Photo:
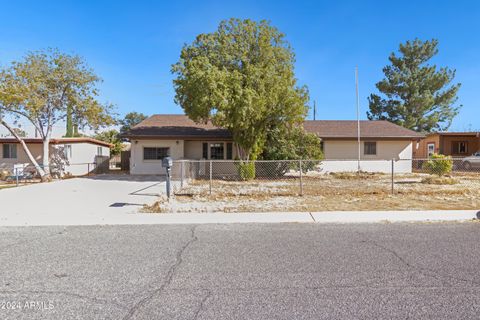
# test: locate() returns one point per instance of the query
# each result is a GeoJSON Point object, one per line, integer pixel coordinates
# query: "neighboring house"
{"type": "Point", "coordinates": [180, 138]}
{"type": "Point", "coordinates": [455, 144]}
{"type": "Point", "coordinates": [73, 155]}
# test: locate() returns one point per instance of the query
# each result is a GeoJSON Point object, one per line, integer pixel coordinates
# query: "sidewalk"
{"type": "Point", "coordinates": [120, 217]}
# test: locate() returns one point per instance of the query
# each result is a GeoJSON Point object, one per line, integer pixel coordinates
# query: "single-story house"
{"type": "Point", "coordinates": [179, 137]}
{"type": "Point", "coordinates": [455, 144]}
{"type": "Point", "coordinates": [75, 156]}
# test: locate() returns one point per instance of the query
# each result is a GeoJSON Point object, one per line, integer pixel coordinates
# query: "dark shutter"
{"type": "Point", "coordinates": [229, 151]}
{"type": "Point", "coordinates": [205, 150]}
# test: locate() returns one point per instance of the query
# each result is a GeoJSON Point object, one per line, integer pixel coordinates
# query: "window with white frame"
{"type": "Point", "coordinates": [216, 151]}
{"type": "Point", "coordinates": [67, 151]}
{"type": "Point", "coordinates": [9, 151]}
{"type": "Point", "coordinates": [430, 149]}
{"type": "Point", "coordinates": [459, 147]}
{"type": "Point", "coordinates": [99, 151]}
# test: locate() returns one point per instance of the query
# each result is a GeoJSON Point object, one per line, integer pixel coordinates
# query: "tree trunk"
{"type": "Point", "coordinates": [46, 159]}
{"type": "Point", "coordinates": [39, 169]}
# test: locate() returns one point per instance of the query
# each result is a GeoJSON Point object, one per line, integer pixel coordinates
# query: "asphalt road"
{"type": "Point", "coordinates": [242, 271]}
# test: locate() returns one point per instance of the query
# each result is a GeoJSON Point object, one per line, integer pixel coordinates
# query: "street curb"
{"type": "Point", "coordinates": [337, 217]}
{"type": "Point", "coordinates": [394, 216]}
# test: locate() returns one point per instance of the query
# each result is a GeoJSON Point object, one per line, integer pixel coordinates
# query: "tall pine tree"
{"type": "Point", "coordinates": [416, 95]}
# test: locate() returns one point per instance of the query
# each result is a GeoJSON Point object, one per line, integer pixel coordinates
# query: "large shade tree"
{"type": "Point", "coordinates": [416, 94]}
{"type": "Point", "coordinates": [39, 88]}
{"type": "Point", "coordinates": [241, 77]}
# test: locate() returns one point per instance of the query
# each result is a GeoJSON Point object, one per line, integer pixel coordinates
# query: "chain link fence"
{"type": "Point", "coordinates": [325, 178]}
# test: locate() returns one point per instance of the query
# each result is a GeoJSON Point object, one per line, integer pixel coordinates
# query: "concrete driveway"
{"type": "Point", "coordinates": [91, 200]}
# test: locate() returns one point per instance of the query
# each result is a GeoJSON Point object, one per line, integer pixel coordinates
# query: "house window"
{"type": "Point", "coordinates": [10, 151]}
{"type": "Point", "coordinates": [216, 151]}
{"type": "Point", "coordinates": [370, 148]}
{"type": "Point", "coordinates": [430, 149]}
{"type": "Point", "coordinates": [99, 151]}
{"type": "Point", "coordinates": [205, 150]}
{"type": "Point", "coordinates": [459, 147]}
{"type": "Point", "coordinates": [155, 153]}
{"type": "Point", "coordinates": [67, 151]}
{"type": "Point", "coordinates": [229, 151]}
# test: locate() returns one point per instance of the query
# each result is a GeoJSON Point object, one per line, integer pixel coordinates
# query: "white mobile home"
{"type": "Point", "coordinates": [75, 156]}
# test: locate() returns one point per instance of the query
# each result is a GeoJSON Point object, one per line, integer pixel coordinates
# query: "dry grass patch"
{"type": "Point", "coordinates": [327, 192]}
{"type": "Point", "coordinates": [355, 175]}
{"type": "Point", "coordinates": [440, 180]}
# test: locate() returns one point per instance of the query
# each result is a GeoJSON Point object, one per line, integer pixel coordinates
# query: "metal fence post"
{"type": "Point", "coordinates": [393, 172]}
{"type": "Point", "coordinates": [181, 174]}
{"type": "Point", "coordinates": [88, 169]}
{"type": "Point", "coordinates": [210, 177]}
{"type": "Point", "coordinates": [301, 177]}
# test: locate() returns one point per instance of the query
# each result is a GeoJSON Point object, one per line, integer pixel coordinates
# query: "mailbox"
{"type": "Point", "coordinates": [167, 162]}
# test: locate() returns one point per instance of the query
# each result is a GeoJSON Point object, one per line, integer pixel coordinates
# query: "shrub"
{"type": "Point", "coordinates": [246, 170]}
{"type": "Point", "coordinates": [438, 164]}
{"type": "Point", "coordinates": [4, 174]}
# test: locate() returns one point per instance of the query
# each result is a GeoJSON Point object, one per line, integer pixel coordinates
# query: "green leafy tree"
{"type": "Point", "coordinates": [417, 95]}
{"type": "Point", "coordinates": [40, 87]}
{"type": "Point", "coordinates": [130, 120]}
{"type": "Point", "coordinates": [293, 144]}
{"type": "Point", "coordinates": [241, 77]}
{"type": "Point", "coordinates": [112, 137]}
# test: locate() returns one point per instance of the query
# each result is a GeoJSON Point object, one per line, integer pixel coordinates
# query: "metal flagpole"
{"type": "Point", "coordinates": [358, 117]}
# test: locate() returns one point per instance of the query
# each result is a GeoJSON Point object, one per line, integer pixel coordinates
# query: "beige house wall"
{"type": "Point", "coordinates": [346, 154]}
{"type": "Point", "coordinates": [348, 149]}
{"type": "Point", "coordinates": [179, 149]}
{"type": "Point", "coordinates": [140, 166]}
{"type": "Point", "coordinates": [22, 158]}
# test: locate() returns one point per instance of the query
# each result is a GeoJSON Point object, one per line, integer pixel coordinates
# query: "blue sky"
{"type": "Point", "coordinates": [132, 44]}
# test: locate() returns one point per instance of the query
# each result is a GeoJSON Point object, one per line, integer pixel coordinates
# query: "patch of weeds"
{"type": "Point", "coordinates": [355, 175]}
{"type": "Point", "coordinates": [161, 206]}
{"type": "Point", "coordinates": [440, 180]}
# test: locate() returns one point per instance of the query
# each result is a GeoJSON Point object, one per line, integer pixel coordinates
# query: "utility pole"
{"type": "Point", "coordinates": [314, 110]}
{"type": "Point", "coordinates": [358, 117]}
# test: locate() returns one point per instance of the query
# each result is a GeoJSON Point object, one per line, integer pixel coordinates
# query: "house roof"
{"type": "Point", "coordinates": [59, 141]}
{"type": "Point", "coordinates": [176, 126]}
{"type": "Point", "coordinates": [468, 134]}
{"type": "Point", "coordinates": [347, 129]}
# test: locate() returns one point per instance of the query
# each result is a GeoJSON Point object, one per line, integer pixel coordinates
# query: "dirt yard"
{"type": "Point", "coordinates": [328, 192]}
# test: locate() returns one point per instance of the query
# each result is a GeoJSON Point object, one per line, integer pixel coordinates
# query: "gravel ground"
{"type": "Point", "coordinates": [329, 193]}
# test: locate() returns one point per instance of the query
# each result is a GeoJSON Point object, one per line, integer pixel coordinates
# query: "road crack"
{"type": "Point", "coordinates": [425, 271]}
{"type": "Point", "coordinates": [201, 306]}
{"type": "Point", "coordinates": [168, 278]}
